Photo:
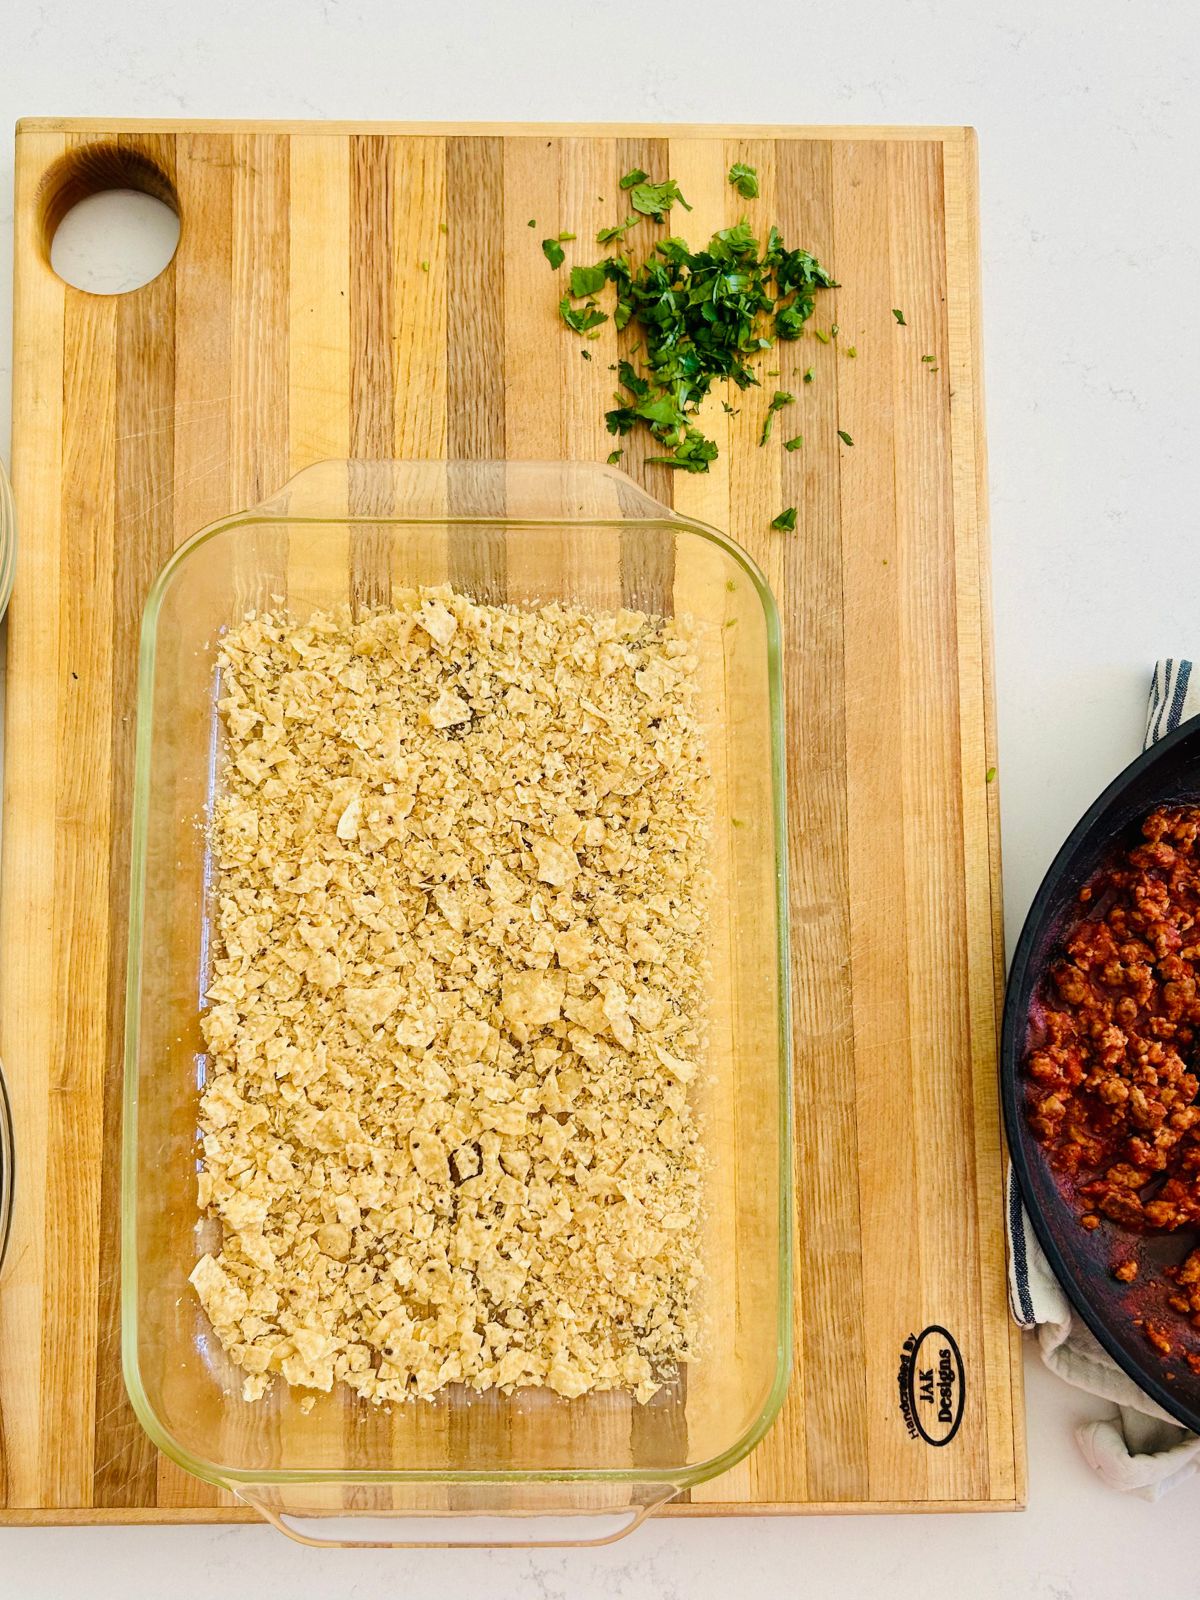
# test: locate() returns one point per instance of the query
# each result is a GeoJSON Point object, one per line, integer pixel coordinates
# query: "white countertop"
{"type": "Point", "coordinates": [1088, 114]}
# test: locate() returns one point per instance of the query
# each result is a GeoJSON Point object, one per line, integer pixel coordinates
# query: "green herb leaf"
{"type": "Point", "coordinates": [614, 456]}
{"type": "Point", "coordinates": [443, 228]}
{"type": "Point", "coordinates": [789, 323]}
{"type": "Point", "coordinates": [794, 444]}
{"type": "Point", "coordinates": [744, 179]}
{"type": "Point", "coordinates": [693, 452]}
{"type": "Point", "coordinates": [532, 223]}
{"type": "Point", "coordinates": [851, 351]}
{"type": "Point", "coordinates": [834, 330]}
{"type": "Point", "coordinates": [424, 266]}
{"type": "Point", "coordinates": [587, 280]}
{"type": "Point", "coordinates": [926, 358]}
{"type": "Point", "coordinates": [565, 238]}
{"type": "Point", "coordinates": [899, 316]}
{"type": "Point", "coordinates": [553, 252]}
{"type": "Point", "coordinates": [609, 235]}
{"type": "Point", "coordinates": [808, 374]}
{"type": "Point", "coordinates": [785, 521]}
{"type": "Point", "coordinates": [990, 776]}
{"type": "Point", "coordinates": [586, 354]}
{"type": "Point", "coordinates": [844, 436]}
{"type": "Point", "coordinates": [634, 175]}
{"type": "Point", "coordinates": [656, 199]}
{"type": "Point", "coordinates": [730, 411]}
{"type": "Point", "coordinates": [824, 337]}
{"type": "Point", "coordinates": [779, 399]}
{"type": "Point", "coordinates": [580, 319]}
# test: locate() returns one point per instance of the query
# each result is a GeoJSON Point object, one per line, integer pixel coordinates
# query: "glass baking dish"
{"type": "Point", "coordinates": [464, 1468]}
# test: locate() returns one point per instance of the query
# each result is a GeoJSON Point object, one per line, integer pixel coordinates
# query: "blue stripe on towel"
{"type": "Point", "coordinates": [1175, 715]}
{"type": "Point", "coordinates": [1020, 1262]}
{"type": "Point", "coordinates": [1157, 731]}
{"type": "Point", "coordinates": [1155, 697]}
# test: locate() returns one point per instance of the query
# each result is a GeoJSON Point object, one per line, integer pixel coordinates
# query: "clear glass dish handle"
{"type": "Point", "coordinates": [534, 491]}
{"type": "Point", "coordinates": [470, 1516]}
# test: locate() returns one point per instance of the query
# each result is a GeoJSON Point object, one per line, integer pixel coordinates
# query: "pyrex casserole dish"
{"type": "Point", "coordinates": [554, 1469]}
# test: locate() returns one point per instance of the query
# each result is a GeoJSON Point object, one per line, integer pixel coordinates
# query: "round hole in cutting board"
{"type": "Point", "coordinates": [113, 242]}
{"type": "Point", "coordinates": [109, 219]}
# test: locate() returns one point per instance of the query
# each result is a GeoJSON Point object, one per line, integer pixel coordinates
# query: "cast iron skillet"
{"type": "Point", "coordinates": [1168, 772]}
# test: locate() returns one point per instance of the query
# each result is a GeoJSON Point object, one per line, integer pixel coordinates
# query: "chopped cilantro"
{"type": "Point", "coordinates": [553, 252]}
{"type": "Point", "coordinates": [532, 223]}
{"type": "Point", "coordinates": [581, 319]}
{"type": "Point", "coordinates": [703, 316]}
{"type": "Point", "coordinates": [808, 374]}
{"type": "Point", "coordinates": [656, 199]}
{"type": "Point", "coordinates": [693, 452]}
{"type": "Point", "coordinates": [899, 316]}
{"type": "Point", "coordinates": [611, 235]}
{"type": "Point", "coordinates": [586, 354]}
{"type": "Point", "coordinates": [824, 337]}
{"type": "Point", "coordinates": [926, 358]}
{"type": "Point", "coordinates": [443, 227]}
{"type": "Point", "coordinates": [785, 521]}
{"type": "Point", "coordinates": [779, 399]}
{"type": "Point", "coordinates": [730, 411]}
{"type": "Point", "coordinates": [834, 329]}
{"type": "Point", "coordinates": [851, 351]}
{"type": "Point", "coordinates": [744, 179]}
{"type": "Point", "coordinates": [424, 266]}
{"type": "Point", "coordinates": [634, 175]}
{"type": "Point", "coordinates": [587, 280]}
{"type": "Point", "coordinates": [794, 444]}
{"type": "Point", "coordinates": [731, 585]}
{"type": "Point", "coordinates": [565, 238]}
{"type": "Point", "coordinates": [844, 436]}
{"type": "Point", "coordinates": [990, 776]}
{"type": "Point", "coordinates": [614, 456]}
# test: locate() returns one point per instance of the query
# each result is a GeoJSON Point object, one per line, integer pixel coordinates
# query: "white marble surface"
{"type": "Point", "coordinates": [1089, 119]}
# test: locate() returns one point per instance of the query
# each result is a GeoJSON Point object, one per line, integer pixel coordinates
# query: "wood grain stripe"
{"type": "Point", "coordinates": [124, 1469]}
{"type": "Point", "coordinates": [475, 358]}
{"type": "Point", "coordinates": [879, 894]}
{"type": "Point", "coordinates": [809, 568]}
{"type": "Point", "coordinates": [980, 800]}
{"type": "Point", "coordinates": [372, 374]}
{"type": "Point", "coordinates": [202, 480]}
{"type": "Point", "coordinates": [934, 866]}
{"type": "Point", "coordinates": [29, 1010]}
{"type": "Point", "coordinates": [80, 951]}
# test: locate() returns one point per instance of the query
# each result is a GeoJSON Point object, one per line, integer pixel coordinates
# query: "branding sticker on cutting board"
{"type": "Point", "coordinates": [932, 1384]}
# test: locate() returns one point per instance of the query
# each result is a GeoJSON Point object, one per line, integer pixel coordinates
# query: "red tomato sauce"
{"type": "Point", "coordinates": [1114, 1052]}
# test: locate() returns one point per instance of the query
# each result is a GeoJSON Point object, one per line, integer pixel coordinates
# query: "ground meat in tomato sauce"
{"type": "Point", "coordinates": [1114, 1048]}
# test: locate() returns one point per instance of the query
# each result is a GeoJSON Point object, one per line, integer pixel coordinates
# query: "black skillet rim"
{"type": "Point", "coordinates": [1012, 1050]}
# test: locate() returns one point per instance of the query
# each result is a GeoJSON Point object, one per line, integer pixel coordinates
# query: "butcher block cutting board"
{"type": "Point", "coordinates": [376, 291]}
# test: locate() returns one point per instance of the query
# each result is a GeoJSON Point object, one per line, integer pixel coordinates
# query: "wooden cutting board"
{"type": "Point", "coordinates": [297, 321]}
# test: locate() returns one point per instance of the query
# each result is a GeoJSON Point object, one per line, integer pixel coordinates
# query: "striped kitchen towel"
{"type": "Point", "coordinates": [1140, 1449]}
